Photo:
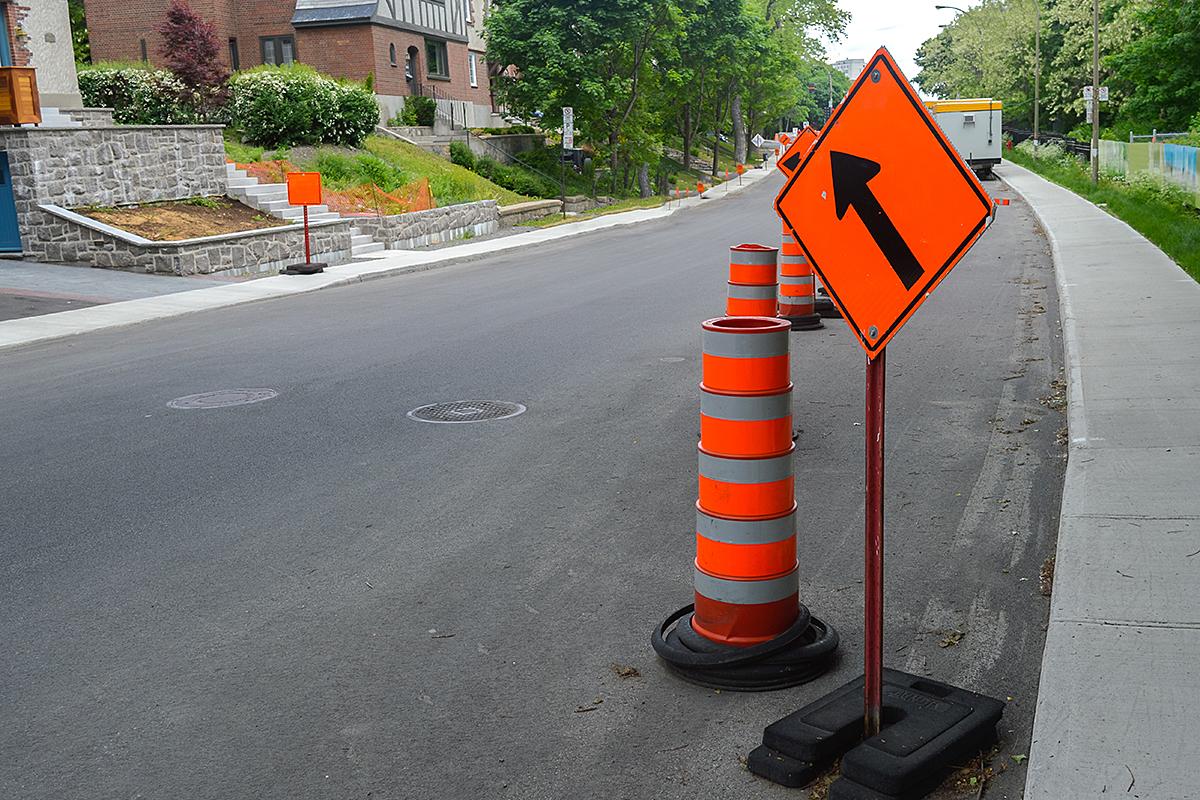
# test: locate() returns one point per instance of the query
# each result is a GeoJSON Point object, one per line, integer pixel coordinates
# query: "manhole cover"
{"type": "Point", "coordinates": [223, 398]}
{"type": "Point", "coordinates": [466, 411]}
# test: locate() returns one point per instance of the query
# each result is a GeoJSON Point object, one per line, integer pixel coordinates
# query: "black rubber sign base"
{"type": "Point", "coordinates": [929, 730]}
{"type": "Point", "coordinates": [308, 268]}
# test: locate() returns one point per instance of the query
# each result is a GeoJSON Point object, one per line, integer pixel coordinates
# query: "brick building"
{"type": "Point", "coordinates": [429, 47]}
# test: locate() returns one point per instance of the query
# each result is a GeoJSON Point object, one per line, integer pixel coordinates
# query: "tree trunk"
{"type": "Point", "coordinates": [644, 180]}
{"type": "Point", "coordinates": [687, 134]}
{"type": "Point", "coordinates": [739, 129]}
{"type": "Point", "coordinates": [716, 134]}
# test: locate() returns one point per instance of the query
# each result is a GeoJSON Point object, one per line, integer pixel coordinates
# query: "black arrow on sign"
{"type": "Point", "coordinates": [850, 177]}
{"type": "Point", "coordinates": [792, 162]}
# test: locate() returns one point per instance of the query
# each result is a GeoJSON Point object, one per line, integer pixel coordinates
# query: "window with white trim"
{"type": "Point", "coordinates": [471, 69]}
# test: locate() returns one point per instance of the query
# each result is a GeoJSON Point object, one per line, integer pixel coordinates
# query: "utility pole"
{"type": "Point", "coordinates": [1037, 66]}
{"type": "Point", "coordinates": [1095, 92]}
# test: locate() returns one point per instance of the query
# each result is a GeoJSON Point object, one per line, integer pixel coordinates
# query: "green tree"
{"type": "Point", "coordinates": [79, 32]}
{"type": "Point", "coordinates": [1159, 66]}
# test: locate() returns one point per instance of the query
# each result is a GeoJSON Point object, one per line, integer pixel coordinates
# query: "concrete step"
{"type": "Point", "coordinates": [358, 239]}
{"type": "Point", "coordinates": [236, 182]}
{"type": "Point", "coordinates": [271, 206]}
{"type": "Point", "coordinates": [364, 249]}
{"type": "Point", "coordinates": [266, 188]}
{"type": "Point", "coordinates": [323, 217]}
{"type": "Point", "coordinates": [297, 212]}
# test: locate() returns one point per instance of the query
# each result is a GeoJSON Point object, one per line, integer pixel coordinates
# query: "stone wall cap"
{"type": "Point", "coordinates": [114, 127]}
{"type": "Point", "coordinates": [532, 205]}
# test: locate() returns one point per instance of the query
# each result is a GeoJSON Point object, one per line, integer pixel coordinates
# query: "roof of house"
{"type": "Point", "coordinates": [314, 11]}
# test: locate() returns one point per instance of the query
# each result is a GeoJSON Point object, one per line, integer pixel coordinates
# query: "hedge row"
{"type": "Point", "coordinates": [271, 106]}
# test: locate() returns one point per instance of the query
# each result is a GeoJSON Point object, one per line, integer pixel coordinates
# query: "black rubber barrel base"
{"type": "Point", "coordinates": [808, 322]}
{"type": "Point", "coordinates": [307, 268]}
{"type": "Point", "coordinates": [929, 729]}
{"type": "Point", "coordinates": [826, 308]}
{"type": "Point", "coordinates": [800, 654]}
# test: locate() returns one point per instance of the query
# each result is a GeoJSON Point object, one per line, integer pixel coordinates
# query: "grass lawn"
{"type": "Point", "coordinates": [1170, 223]}
{"type": "Point", "coordinates": [388, 163]}
{"type": "Point", "coordinates": [615, 208]}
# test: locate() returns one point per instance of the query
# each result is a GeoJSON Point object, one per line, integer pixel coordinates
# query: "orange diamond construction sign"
{"type": "Point", "coordinates": [882, 204]}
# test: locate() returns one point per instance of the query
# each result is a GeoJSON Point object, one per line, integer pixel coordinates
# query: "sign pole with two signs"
{"type": "Point", "coordinates": [883, 208]}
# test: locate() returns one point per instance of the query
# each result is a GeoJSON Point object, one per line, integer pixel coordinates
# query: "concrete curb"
{"type": "Point", "coordinates": [48, 327]}
{"type": "Point", "coordinates": [1117, 703]}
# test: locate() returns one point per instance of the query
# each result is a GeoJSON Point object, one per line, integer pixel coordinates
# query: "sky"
{"type": "Point", "coordinates": [901, 25]}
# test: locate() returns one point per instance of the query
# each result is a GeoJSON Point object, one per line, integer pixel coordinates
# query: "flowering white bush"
{"type": "Point", "coordinates": [294, 105]}
{"type": "Point", "coordinates": [138, 95]}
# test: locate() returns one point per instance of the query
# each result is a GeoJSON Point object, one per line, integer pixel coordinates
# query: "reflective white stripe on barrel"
{"type": "Point", "coordinates": [745, 345]}
{"type": "Point", "coordinates": [795, 280]}
{"type": "Point", "coordinates": [759, 531]}
{"type": "Point", "coordinates": [752, 254]}
{"type": "Point", "coordinates": [787, 258]}
{"type": "Point", "coordinates": [739, 291]}
{"type": "Point", "coordinates": [746, 470]}
{"type": "Point", "coordinates": [748, 592]}
{"type": "Point", "coordinates": [754, 408]}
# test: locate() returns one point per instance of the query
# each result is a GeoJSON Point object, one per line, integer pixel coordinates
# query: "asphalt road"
{"type": "Point", "coordinates": [317, 597]}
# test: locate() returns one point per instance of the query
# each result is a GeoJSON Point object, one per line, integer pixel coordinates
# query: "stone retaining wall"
{"type": "Point", "coordinates": [110, 166]}
{"type": "Point", "coordinates": [502, 147]}
{"type": "Point", "coordinates": [92, 117]}
{"type": "Point", "coordinates": [65, 236]}
{"type": "Point", "coordinates": [437, 225]}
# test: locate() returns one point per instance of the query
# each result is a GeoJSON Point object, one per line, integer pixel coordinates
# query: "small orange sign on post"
{"type": "Point", "coordinates": [791, 157]}
{"type": "Point", "coordinates": [741, 168]}
{"type": "Point", "coordinates": [304, 189]}
{"type": "Point", "coordinates": [882, 204]}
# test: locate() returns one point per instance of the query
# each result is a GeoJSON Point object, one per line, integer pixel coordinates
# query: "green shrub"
{"type": "Point", "coordinates": [138, 94]}
{"type": "Point", "coordinates": [460, 153]}
{"type": "Point", "coordinates": [295, 105]}
{"type": "Point", "coordinates": [421, 110]}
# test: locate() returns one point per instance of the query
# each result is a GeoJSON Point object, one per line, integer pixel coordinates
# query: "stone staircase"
{"type": "Point", "coordinates": [271, 198]}
{"type": "Point", "coordinates": [425, 138]}
{"type": "Point", "coordinates": [53, 118]}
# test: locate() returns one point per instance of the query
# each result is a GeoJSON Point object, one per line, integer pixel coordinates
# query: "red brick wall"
{"type": "Point", "coordinates": [116, 27]}
{"type": "Point", "coordinates": [13, 15]}
{"type": "Point", "coordinates": [343, 51]}
{"type": "Point", "coordinates": [346, 51]}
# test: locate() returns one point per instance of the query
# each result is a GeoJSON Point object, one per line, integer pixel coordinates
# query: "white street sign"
{"type": "Point", "coordinates": [1087, 104]}
{"type": "Point", "coordinates": [758, 140]}
{"type": "Point", "coordinates": [568, 142]}
{"type": "Point", "coordinates": [1088, 94]}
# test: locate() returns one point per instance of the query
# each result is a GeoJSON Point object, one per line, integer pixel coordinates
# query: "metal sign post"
{"type": "Point", "coordinates": [882, 220]}
{"type": "Point", "coordinates": [873, 561]}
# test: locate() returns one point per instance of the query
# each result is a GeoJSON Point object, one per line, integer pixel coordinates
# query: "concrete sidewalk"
{"type": "Point", "coordinates": [17, 332]}
{"type": "Point", "coordinates": [1118, 710]}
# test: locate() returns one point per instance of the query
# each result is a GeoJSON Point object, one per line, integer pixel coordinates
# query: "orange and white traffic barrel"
{"type": "Point", "coordinates": [753, 264]}
{"type": "Point", "coordinates": [747, 488]}
{"type": "Point", "coordinates": [746, 426]}
{"type": "Point", "coordinates": [746, 628]}
{"type": "Point", "coordinates": [751, 301]}
{"type": "Point", "coordinates": [797, 294]}
{"type": "Point", "coordinates": [745, 355]}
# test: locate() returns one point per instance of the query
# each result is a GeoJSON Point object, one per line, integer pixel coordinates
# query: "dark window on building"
{"type": "Point", "coordinates": [392, 54]}
{"type": "Point", "coordinates": [435, 59]}
{"type": "Point", "coordinates": [142, 44]}
{"type": "Point", "coordinates": [278, 50]}
{"type": "Point", "coordinates": [234, 60]}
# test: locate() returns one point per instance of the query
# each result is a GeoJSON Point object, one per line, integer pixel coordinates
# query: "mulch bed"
{"type": "Point", "coordinates": [183, 219]}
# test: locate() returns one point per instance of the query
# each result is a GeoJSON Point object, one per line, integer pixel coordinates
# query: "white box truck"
{"type": "Point", "coordinates": [973, 127]}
